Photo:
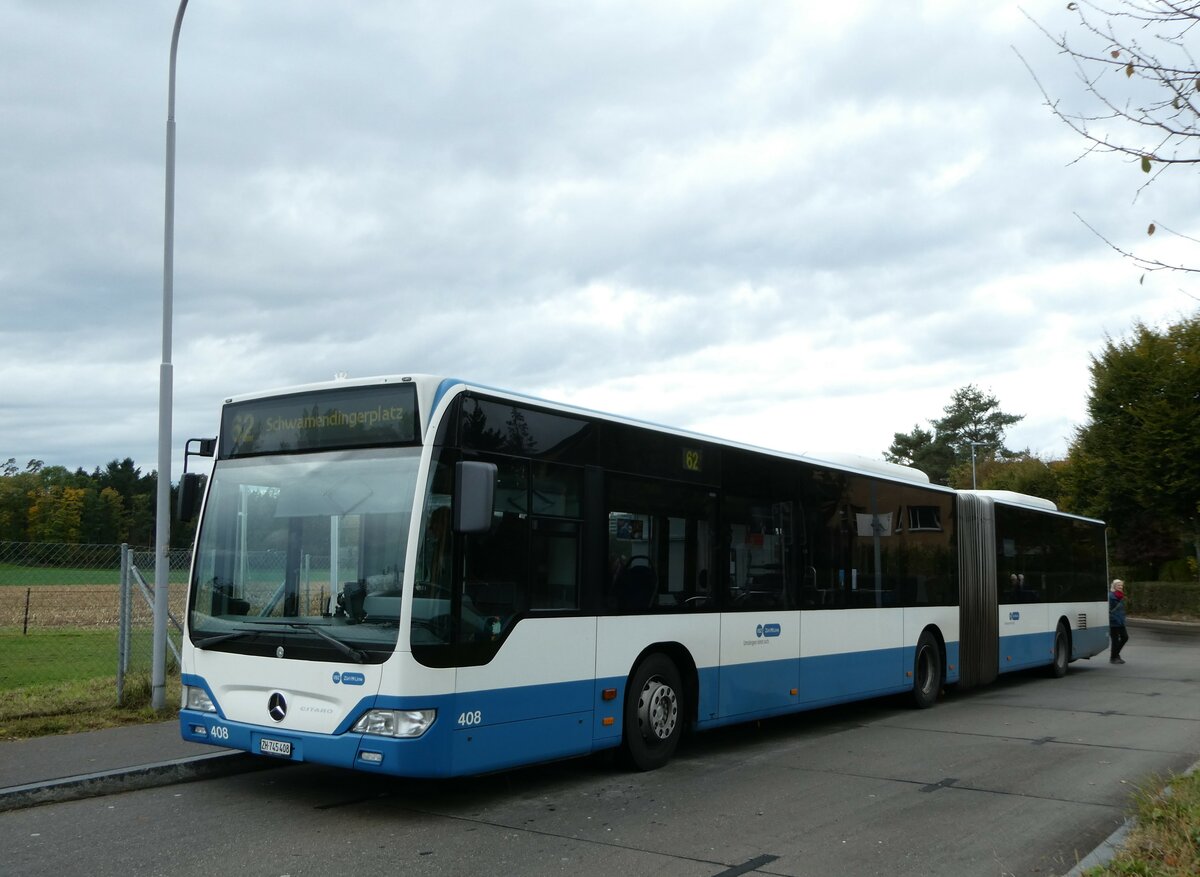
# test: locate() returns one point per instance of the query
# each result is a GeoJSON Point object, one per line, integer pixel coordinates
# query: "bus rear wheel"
{"type": "Point", "coordinates": [1062, 653]}
{"type": "Point", "coordinates": [927, 672]}
{"type": "Point", "coordinates": [654, 712]}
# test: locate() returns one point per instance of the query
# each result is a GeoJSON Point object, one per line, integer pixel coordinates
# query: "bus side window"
{"type": "Point", "coordinates": [660, 546]}
{"type": "Point", "coordinates": [555, 564]}
{"type": "Point", "coordinates": [556, 501]}
{"type": "Point", "coordinates": [762, 556]}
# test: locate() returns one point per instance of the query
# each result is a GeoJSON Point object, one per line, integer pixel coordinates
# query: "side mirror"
{"type": "Point", "coordinates": [474, 493]}
{"type": "Point", "coordinates": [189, 484]}
{"type": "Point", "coordinates": [190, 487]}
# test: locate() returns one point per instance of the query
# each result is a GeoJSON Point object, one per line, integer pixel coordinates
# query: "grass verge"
{"type": "Point", "coordinates": [12, 574]}
{"type": "Point", "coordinates": [60, 656]}
{"type": "Point", "coordinates": [82, 705]}
{"type": "Point", "coordinates": [1165, 841]}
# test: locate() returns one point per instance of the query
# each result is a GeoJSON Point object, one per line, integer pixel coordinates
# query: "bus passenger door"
{"type": "Point", "coordinates": [661, 580]}
{"type": "Point", "coordinates": [760, 627]}
{"type": "Point", "coordinates": [853, 618]}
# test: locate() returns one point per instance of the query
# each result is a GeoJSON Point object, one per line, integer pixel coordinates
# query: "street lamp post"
{"type": "Point", "coordinates": [162, 533]}
{"type": "Point", "coordinates": [975, 445]}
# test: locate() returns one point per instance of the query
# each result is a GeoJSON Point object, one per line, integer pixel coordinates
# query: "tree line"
{"type": "Point", "coordinates": [40, 503]}
{"type": "Point", "coordinates": [1135, 463]}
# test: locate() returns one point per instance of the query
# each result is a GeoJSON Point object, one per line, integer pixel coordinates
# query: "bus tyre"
{"type": "Point", "coordinates": [927, 672]}
{"type": "Point", "coordinates": [653, 712]}
{"type": "Point", "coordinates": [1062, 653]}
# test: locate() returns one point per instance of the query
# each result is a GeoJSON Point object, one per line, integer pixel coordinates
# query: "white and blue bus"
{"type": "Point", "coordinates": [425, 577]}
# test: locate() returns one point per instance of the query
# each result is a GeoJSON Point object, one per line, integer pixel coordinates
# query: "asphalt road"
{"type": "Point", "coordinates": [1023, 777]}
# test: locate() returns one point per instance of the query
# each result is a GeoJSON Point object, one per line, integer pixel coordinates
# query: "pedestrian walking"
{"type": "Point", "coordinates": [1116, 621]}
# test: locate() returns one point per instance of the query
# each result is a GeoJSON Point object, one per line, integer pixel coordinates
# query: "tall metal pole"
{"type": "Point", "coordinates": [975, 445]}
{"type": "Point", "coordinates": [162, 538]}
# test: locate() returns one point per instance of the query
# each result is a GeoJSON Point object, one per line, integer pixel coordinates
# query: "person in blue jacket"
{"type": "Point", "coordinates": [1116, 621]}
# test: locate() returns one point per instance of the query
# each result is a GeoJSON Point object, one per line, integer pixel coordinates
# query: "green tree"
{"type": "Point", "coordinates": [141, 521]}
{"type": "Point", "coordinates": [922, 450]}
{"type": "Point", "coordinates": [1024, 473]}
{"type": "Point", "coordinates": [19, 490]}
{"type": "Point", "coordinates": [56, 513]}
{"type": "Point", "coordinates": [103, 517]}
{"type": "Point", "coordinates": [971, 421]}
{"type": "Point", "coordinates": [52, 504]}
{"type": "Point", "coordinates": [15, 487]}
{"type": "Point", "coordinates": [1136, 462]}
{"type": "Point", "coordinates": [137, 493]}
{"type": "Point", "coordinates": [123, 477]}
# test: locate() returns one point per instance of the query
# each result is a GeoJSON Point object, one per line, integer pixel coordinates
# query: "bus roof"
{"type": "Point", "coordinates": [1010, 497]}
{"type": "Point", "coordinates": [433, 388]}
{"type": "Point", "coordinates": [838, 460]}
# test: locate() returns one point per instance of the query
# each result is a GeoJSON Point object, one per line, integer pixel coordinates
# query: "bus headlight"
{"type": "Point", "coordinates": [396, 723]}
{"type": "Point", "coordinates": [198, 699]}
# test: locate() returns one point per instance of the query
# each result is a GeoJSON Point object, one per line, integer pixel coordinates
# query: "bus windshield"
{"type": "Point", "coordinates": [306, 553]}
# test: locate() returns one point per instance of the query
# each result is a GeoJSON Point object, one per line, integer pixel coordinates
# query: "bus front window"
{"type": "Point", "coordinates": [289, 543]}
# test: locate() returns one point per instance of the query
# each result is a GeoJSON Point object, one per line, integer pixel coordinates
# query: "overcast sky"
{"type": "Point", "coordinates": [793, 224]}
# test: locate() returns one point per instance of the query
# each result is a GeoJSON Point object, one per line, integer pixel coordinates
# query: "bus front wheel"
{"type": "Point", "coordinates": [927, 672]}
{"type": "Point", "coordinates": [654, 712]}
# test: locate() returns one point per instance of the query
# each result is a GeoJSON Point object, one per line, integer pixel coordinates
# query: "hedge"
{"type": "Point", "coordinates": [1163, 599]}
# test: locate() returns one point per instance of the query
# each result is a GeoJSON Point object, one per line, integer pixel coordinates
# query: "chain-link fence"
{"type": "Point", "coordinates": [63, 616]}
{"type": "Point", "coordinates": [135, 629]}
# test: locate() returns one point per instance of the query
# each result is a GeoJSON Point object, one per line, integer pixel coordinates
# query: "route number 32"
{"type": "Point", "coordinates": [467, 719]}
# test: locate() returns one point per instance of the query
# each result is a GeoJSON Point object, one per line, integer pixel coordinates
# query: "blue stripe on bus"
{"type": "Point", "coordinates": [1026, 650]}
{"type": "Point", "coordinates": [1022, 651]}
{"type": "Point", "coordinates": [952, 664]}
{"type": "Point", "coordinates": [502, 736]}
{"type": "Point", "coordinates": [761, 690]}
{"type": "Point", "coordinates": [758, 688]}
{"type": "Point", "coordinates": [481, 731]}
{"type": "Point", "coordinates": [1085, 643]}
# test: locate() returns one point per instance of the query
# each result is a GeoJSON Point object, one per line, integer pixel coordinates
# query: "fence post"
{"type": "Point", "coordinates": [25, 626]}
{"type": "Point", "coordinates": [123, 626]}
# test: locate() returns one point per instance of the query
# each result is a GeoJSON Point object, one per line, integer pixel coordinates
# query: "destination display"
{"type": "Point", "coordinates": [354, 417]}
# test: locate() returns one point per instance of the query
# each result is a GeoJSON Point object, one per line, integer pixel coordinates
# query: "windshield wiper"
{"type": "Point", "coordinates": [356, 655]}
{"type": "Point", "coordinates": [222, 637]}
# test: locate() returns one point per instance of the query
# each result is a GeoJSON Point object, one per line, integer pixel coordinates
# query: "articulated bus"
{"type": "Point", "coordinates": [429, 578]}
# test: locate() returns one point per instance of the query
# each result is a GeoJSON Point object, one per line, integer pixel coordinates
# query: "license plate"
{"type": "Point", "coordinates": [275, 747]}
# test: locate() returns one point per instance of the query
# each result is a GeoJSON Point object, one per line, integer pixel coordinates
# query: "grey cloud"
{"type": "Point", "coordinates": [383, 188]}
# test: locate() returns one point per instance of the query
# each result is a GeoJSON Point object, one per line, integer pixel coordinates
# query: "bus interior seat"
{"type": "Point", "coordinates": [637, 587]}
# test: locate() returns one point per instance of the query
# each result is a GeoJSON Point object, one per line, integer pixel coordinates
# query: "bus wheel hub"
{"type": "Point", "coordinates": [658, 710]}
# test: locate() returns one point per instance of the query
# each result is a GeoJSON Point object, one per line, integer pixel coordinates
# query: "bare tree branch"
{"type": "Point", "coordinates": [1142, 81]}
{"type": "Point", "coordinates": [1142, 262]}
